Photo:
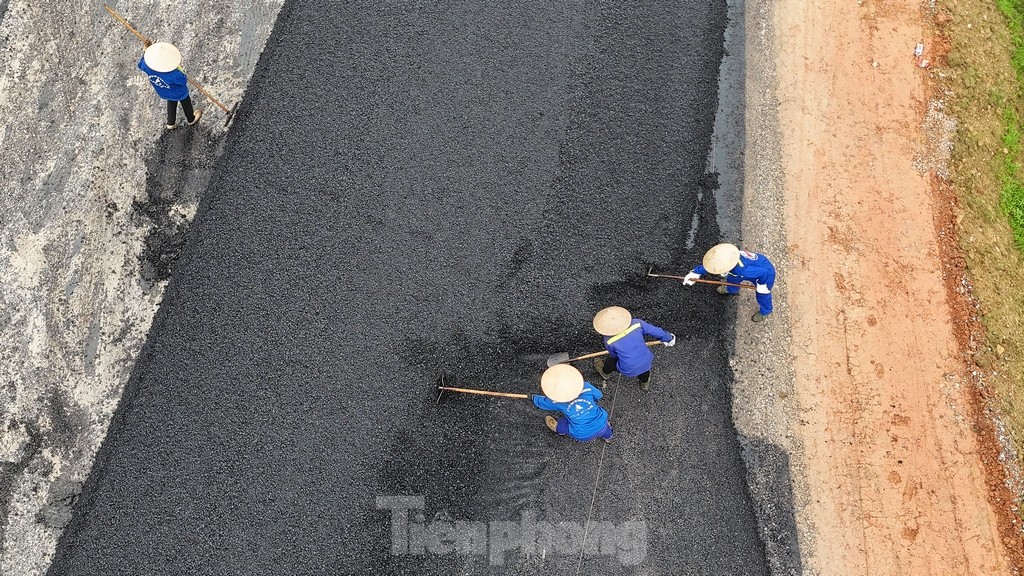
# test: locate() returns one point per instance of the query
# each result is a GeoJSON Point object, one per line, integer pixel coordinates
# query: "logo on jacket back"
{"type": "Point", "coordinates": [158, 81]}
{"type": "Point", "coordinates": [581, 406]}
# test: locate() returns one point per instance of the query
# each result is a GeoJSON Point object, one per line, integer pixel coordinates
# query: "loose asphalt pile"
{"type": "Point", "coordinates": [411, 190]}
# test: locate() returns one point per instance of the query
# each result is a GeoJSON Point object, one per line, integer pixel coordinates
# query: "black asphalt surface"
{"type": "Point", "coordinates": [417, 188]}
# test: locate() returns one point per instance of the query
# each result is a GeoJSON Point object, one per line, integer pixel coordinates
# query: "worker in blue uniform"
{"type": "Point", "coordinates": [565, 392]}
{"type": "Point", "coordinates": [624, 338]}
{"type": "Point", "coordinates": [737, 266]}
{"type": "Point", "coordinates": [161, 63]}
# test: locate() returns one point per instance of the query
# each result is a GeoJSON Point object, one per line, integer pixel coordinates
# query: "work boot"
{"type": "Point", "coordinates": [723, 289]}
{"type": "Point", "coordinates": [758, 317]}
{"type": "Point", "coordinates": [172, 126]}
{"type": "Point", "coordinates": [199, 114]}
{"type": "Point", "coordinates": [645, 385]}
{"type": "Point", "coordinates": [552, 423]}
{"type": "Point", "coordinates": [599, 365]}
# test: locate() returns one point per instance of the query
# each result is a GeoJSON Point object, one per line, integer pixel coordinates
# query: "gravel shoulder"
{"type": "Point", "coordinates": [96, 200]}
{"type": "Point", "coordinates": [765, 410]}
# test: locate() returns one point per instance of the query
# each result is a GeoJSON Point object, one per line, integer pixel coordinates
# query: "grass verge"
{"type": "Point", "coordinates": [983, 86]}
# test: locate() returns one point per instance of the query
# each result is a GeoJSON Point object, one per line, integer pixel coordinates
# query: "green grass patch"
{"type": "Point", "coordinates": [982, 83]}
{"type": "Point", "coordinates": [1011, 197]}
{"type": "Point", "coordinates": [1011, 194]}
{"type": "Point", "coordinates": [1013, 10]}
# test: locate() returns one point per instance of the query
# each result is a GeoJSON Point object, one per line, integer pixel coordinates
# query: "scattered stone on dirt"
{"type": "Point", "coordinates": [891, 460]}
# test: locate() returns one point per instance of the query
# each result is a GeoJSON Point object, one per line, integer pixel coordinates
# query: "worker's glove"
{"type": "Point", "coordinates": [671, 342]}
{"type": "Point", "coordinates": [691, 279]}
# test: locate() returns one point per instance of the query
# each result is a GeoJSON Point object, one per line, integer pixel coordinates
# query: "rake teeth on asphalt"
{"type": "Point", "coordinates": [440, 388]}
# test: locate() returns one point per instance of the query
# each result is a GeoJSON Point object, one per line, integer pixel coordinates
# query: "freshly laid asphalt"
{"type": "Point", "coordinates": [412, 189]}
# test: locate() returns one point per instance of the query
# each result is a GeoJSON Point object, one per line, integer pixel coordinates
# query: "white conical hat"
{"type": "Point", "coordinates": [162, 57]}
{"type": "Point", "coordinates": [561, 383]}
{"type": "Point", "coordinates": [721, 258]}
{"type": "Point", "coordinates": [612, 320]}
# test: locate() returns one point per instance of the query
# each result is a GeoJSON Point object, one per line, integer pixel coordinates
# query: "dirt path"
{"type": "Point", "coordinates": [885, 415]}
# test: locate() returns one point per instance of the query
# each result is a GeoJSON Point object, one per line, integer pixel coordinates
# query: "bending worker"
{"type": "Point", "coordinates": [737, 266]}
{"type": "Point", "coordinates": [566, 392]}
{"type": "Point", "coordinates": [161, 63]}
{"type": "Point", "coordinates": [627, 349]}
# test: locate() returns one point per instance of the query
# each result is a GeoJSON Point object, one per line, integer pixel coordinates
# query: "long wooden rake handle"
{"type": "Point", "coordinates": [605, 352]}
{"type": "Point", "coordinates": [147, 41]}
{"type": "Point", "coordinates": [483, 392]}
{"type": "Point", "coordinates": [702, 281]}
{"type": "Point", "coordinates": [208, 95]}
{"type": "Point", "coordinates": [127, 25]}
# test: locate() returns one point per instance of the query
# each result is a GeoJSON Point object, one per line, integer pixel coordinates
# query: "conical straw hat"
{"type": "Point", "coordinates": [162, 57]}
{"type": "Point", "coordinates": [612, 320]}
{"type": "Point", "coordinates": [721, 258]}
{"type": "Point", "coordinates": [561, 383]}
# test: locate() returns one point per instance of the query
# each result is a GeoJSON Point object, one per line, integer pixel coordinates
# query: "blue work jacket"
{"type": "Point", "coordinates": [754, 268]}
{"type": "Point", "coordinates": [630, 348]}
{"type": "Point", "coordinates": [171, 85]}
{"type": "Point", "coordinates": [586, 418]}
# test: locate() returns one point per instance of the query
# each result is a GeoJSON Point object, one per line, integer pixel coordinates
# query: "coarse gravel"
{"type": "Point", "coordinates": [764, 408]}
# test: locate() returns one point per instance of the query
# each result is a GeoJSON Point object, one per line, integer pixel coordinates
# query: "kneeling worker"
{"type": "Point", "coordinates": [737, 266]}
{"type": "Point", "coordinates": [628, 352]}
{"type": "Point", "coordinates": [566, 392]}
